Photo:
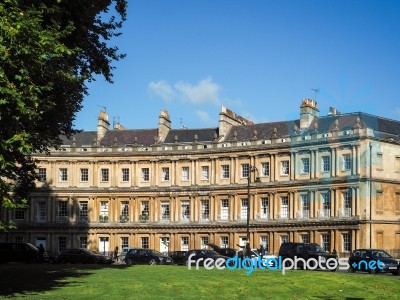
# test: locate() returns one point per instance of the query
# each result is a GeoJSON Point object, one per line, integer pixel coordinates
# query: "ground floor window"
{"type": "Point", "coordinates": [346, 242]}
{"type": "Point", "coordinates": [185, 243]}
{"type": "Point", "coordinates": [224, 241]}
{"type": "Point", "coordinates": [326, 242]}
{"type": "Point", "coordinates": [264, 242]}
{"type": "Point", "coordinates": [124, 242]}
{"type": "Point", "coordinates": [83, 242]}
{"type": "Point", "coordinates": [145, 242]}
{"type": "Point", "coordinates": [204, 242]}
{"type": "Point", "coordinates": [305, 238]}
{"type": "Point", "coordinates": [62, 243]}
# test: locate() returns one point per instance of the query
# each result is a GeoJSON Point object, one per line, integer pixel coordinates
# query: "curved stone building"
{"type": "Point", "coordinates": [332, 179]}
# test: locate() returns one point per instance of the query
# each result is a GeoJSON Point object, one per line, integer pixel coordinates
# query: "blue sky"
{"type": "Point", "coordinates": [259, 58]}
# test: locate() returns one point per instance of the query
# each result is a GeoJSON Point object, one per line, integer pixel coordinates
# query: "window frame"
{"type": "Point", "coordinates": [346, 162]}
{"type": "Point", "coordinates": [285, 168]}
{"type": "Point", "coordinates": [84, 175]}
{"type": "Point", "coordinates": [104, 175]}
{"type": "Point", "coordinates": [165, 176]}
{"type": "Point", "coordinates": [225, 172]}
{"type": "Point", "coordinates": [205, 173]}
{"type": "Point", "coordinates": [325, 163]}
{"type": "Point", "coordinates": [63, 174]}
{"type": "Point", "coordinates": [245, 170]}
{"type": "Point", "coordinates": [42, 174]}
{"type": "Point", "coordinates": [145, 175]}
{"type": "Point", "coordinates": [185, 173]}
{"type": "Point", "coordinates": [125, 175]}
{"type": "Point", "coordinates": [265, 170]}
{"type": "Point", "coordinates": [305, 167]}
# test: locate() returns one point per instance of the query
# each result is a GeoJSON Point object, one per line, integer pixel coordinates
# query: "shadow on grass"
{"type": "Point", "coordinates": [20, 278]}
{"type": "Point", "coordinates": [333, 298]}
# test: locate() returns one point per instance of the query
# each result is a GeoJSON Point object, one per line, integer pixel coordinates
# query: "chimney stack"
{"type": "Point", "coordinates": [103, 125]}
{"type": "Point", "coordinates": [308, 111]}
{"type": "Point", "coordinates": [164, 125]}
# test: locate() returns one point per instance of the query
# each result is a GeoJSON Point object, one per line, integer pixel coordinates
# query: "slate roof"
{"type": "Point", "coordinates": [143, 137]}
{"type": "Point", "coordinates": [188, 135]}
{"type": "Point", "coordinates": [264, 131]}
{"type": "Point", "coordinates": [325, 124]}
{"type": "Point", "coordinates": [81, 138]}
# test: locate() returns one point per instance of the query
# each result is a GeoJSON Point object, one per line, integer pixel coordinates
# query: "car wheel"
{"type": "Point", "coordinates": [376, 271]}
{"type": "Point", "coordinates": [129, 261]}
{"type": "Point", "coordinates": [395, 273]}
{"type": "Point", "coordinates": [352, 270]}
{"type": "Point", "coordinates": [152, 262]}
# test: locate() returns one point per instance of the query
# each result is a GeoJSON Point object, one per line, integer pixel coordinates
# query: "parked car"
{"type": "Point", "coordinates": [178, 257]}
{"type": "Point", "coordinates": [83, 256]}
{"type": "Point", "coordinates": [123, 253]}
{"type": "Point", "coordinates": [202, 254]}
{"type": "Point", "coordinates": [146, 256]}
{"type": "Point", "coordinates": [25, 252]}
{"type": "Point", "coordinates": [367, 259]}
{"type": "Point", "coordinates": [229, 252]}
{"type": "Point", "coordinates": [305, 251]}
{"type": "Point", "coordinates": [254, 254]}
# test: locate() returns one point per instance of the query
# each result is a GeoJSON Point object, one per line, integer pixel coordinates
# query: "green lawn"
{"type": "Point", "coordinates": [48, 281]}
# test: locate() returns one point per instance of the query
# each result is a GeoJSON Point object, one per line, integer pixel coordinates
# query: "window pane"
{"type": "Point", "coordinates": [84, 175]}
{"type": "Point", "coordinates": [285, 167]}
{"type": "Point", "coordinates": [185, 174]}
{"type": "Point", "coordinates": [145, 174]}
{"type": "Point", "coordinates": [225, 171]}
{"type": "Point", "coordinates": [125, 174]}
{"type": "Point", "coordinates": [265, 169]}
{"type": "Point", "coordinates": [245, 170]}
{"type": "Point", "coordinates": [205, 173]}
{"type": "Point", "coordinates": [104, 175]}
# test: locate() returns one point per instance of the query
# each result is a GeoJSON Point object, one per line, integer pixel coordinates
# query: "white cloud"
{"type": "Point", "coordinates": [206, 91]}
{"type": "Point", "coordinates": [162, 89]}
{"type": "Point", "coordinates": [205, 118]}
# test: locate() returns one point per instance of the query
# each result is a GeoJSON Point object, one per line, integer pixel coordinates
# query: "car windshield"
{"type": "Point", "coordinates": [155, 252]}
{"type": "Point", "coordinates": [314, 248]}
{"type": "Point", "coordinates": [210, 252]}
{"type": "Point", "coordinates": [380, 254]}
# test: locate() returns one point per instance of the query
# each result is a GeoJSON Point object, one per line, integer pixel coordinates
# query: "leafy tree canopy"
{"type": "Point", "coordinates": [49, 51]}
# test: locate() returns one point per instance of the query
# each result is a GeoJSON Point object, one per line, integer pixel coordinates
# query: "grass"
{"type": "Point", "coordinates": [48, 281]}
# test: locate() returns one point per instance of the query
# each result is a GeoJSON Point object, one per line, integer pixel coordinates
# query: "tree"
{"type": "Point", "coordinates": [49, 51]}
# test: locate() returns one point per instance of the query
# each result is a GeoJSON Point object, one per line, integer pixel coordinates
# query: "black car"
{"type": "Point", "coordinates": [178, 257]}
{"type": "Point", "coordinates": [229, 252]}
{"type": "Point", "coordinates": [25, 252]}
{"type": "Point", "coordinates": [198, 256]}
{"type": "Point", "coordinates": [146, 256]}
{"type": "Point", "coordinates": [367, 260]}
{"type": "Point", "coordinates": [83, 256]}
{"type": "Point", "coordinates": [306, 251]}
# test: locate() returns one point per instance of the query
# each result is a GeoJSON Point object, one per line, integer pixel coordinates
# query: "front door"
{"type": "Point", "coordinates": [164, 245]}
{"type": "Point", "coordinates": [104, 245]}
{"type": "Point", "coordinates": [42, 241]}
{"type": "Point", "coordinates": [242, 241]}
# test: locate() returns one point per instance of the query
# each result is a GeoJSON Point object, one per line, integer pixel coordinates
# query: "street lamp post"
{"type": "Point", "coordinates": [257, 180]}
